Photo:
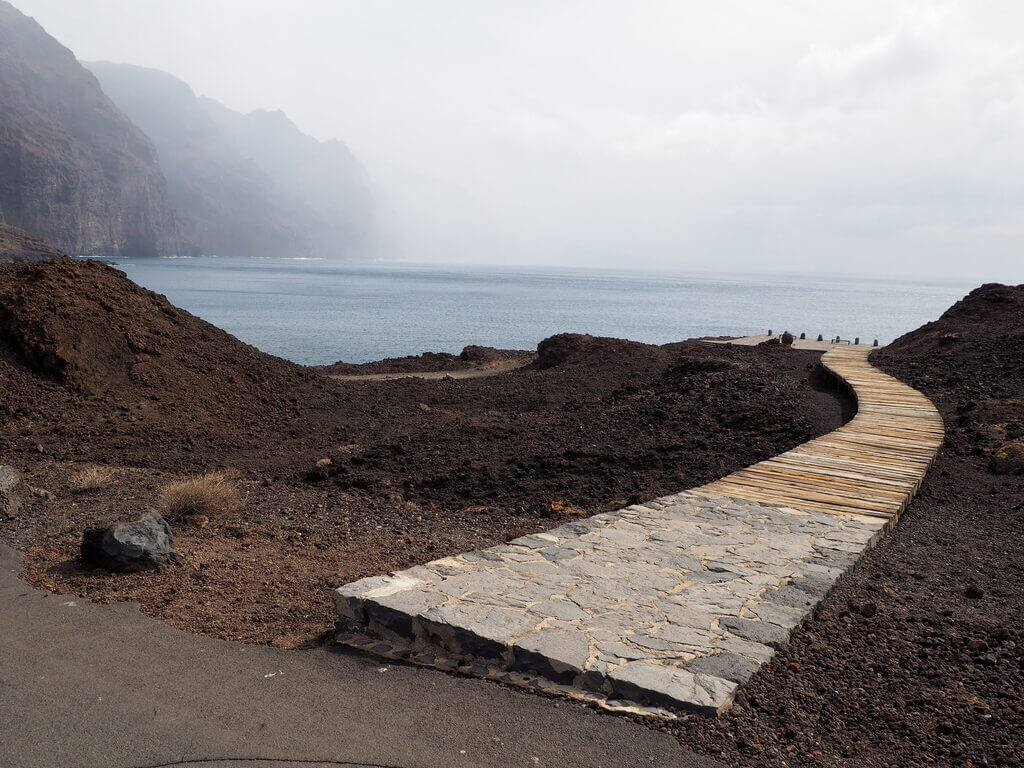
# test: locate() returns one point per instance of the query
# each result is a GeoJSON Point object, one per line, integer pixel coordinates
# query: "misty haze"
{"type": "Point", "coordinates": [870, 138]}
{"type": "Point", "coordinates": [396, 362]}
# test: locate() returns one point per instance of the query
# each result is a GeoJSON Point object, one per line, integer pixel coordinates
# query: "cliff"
{"type": "Point", "coordinates": [73, 168]}
{"type": "Point", "coordinates": [245, 184]}
{"type": "Point", "coordinates": [17, 245]}
{"type": "Point", "coordinates": [322, 178]}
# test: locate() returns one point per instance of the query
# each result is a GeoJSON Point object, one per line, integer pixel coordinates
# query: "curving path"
{"type": "Point", "coordinates": [871, 466]}
{"type": "Point", "coordinates": [672, 604]}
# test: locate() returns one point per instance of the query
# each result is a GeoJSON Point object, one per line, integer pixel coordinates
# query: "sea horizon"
{"type": "Point", "coordinates": [318, 311]}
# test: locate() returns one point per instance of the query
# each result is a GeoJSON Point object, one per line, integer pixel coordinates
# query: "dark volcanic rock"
{"type": "Point", "coordinates": [73, 168]}
{"type": "Point", "coordinates": [470, 358]}
{"type": "Point", "coordinates": [87, 326]}
{"type": "Point", "coordinates": [17, 245]}
{"type": "Point", "coordinates": [477, 354]}
{"type": "Point", "coordinates": [1008, 460]}
{"type": "Point", "coordinates": [129, 547]}
{"type": "Point", "coordinates": [99, 370]}
{"type": "Point", "coordinates": [969, 363]}
{"type": "Point", "coordinates": [562, 348]}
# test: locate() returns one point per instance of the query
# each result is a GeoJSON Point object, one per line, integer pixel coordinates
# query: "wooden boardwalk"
{"type": "Point", "coordinates": [871, 466]}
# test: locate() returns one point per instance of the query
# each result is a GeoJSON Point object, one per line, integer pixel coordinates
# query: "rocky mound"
{"type": "Point", "coordinates": [92, 356]}
{"type": "Point", "coordinates": [969, 362]}
{"type": "Point", "coordinates": [17, 245]}
{"type": "Point", "coordinates": [569, 350]}
{"type": "Point", "coordinates": [86, 325]}
{"type": "Point", "coordinates": [563, 348]}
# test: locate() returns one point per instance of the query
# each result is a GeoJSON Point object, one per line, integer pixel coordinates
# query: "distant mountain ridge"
{"type": "Point", "coordinates": [245, 184]}
{"type": "Point", "coordinates": [124, 161]}
{"type": "Point", "coordinates": [73, 169]}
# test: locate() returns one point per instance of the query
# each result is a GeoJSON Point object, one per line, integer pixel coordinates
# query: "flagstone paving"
{"type": "Point", "coordinates": [672, 604]}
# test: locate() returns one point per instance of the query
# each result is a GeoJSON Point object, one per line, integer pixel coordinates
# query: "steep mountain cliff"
{"type": "Point", "coordinates": [322, 176]}
{"type": "Point", "coordinates": [17, 245]}
{"type": "Point", "coordinates": [245, 185]}
{"type": "Point", "coordinates": [73, 169]}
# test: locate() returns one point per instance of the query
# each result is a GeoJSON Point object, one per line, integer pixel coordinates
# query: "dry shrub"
{"type": "Point", "coordinates": [92, 479]}
{"type": "Point", "coordinates": [209, 495]}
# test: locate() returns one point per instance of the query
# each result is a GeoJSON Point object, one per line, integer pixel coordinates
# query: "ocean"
{"type": "Point", "coordinates": [317, 312]}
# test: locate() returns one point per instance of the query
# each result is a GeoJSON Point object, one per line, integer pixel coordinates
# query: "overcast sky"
{"type": "Point", "coordinates": [871, 137]}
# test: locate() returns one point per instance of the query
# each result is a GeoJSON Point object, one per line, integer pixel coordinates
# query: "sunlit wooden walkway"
{"type": "Point", "coordinates": [871, 466]}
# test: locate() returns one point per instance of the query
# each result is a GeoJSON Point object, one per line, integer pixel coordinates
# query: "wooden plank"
{"type": "Point", "coordinates": [871, 466]}
{"type": "Point", "coordinates": [879, 479]}
{"type": "Point", "coordinates": [831, 483]}
{"type": "Point", "coordinates": [764, 497]}
{"type": "Point", "coordinates": [809, 495]}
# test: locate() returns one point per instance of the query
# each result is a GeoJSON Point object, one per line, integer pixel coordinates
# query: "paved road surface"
{"type": "Point", "coordinates": [86, 686]}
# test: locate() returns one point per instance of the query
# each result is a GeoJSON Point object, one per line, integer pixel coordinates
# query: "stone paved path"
{"type": "Point", "coordinates": [672, 604]}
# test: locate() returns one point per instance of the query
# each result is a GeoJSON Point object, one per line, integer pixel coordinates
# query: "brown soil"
{"type": "Point", "coordinates": [935, 677]}
{"type": "Point", "coordinates": [262, 574]}
{"type": "Point", "coordinates": [94, 369]}
{"type": "Point", "coordinates": [604, 424]}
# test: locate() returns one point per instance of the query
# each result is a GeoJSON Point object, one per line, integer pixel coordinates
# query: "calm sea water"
{"type": "Point", "coordinates": [316, 312]}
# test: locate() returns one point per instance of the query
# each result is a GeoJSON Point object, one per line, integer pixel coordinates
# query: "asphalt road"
{"type": "Point", "coordinates": [87, 686]}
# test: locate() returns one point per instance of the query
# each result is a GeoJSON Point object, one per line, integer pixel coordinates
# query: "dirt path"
{"type": "Point", "coordinates": [471, 373]}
